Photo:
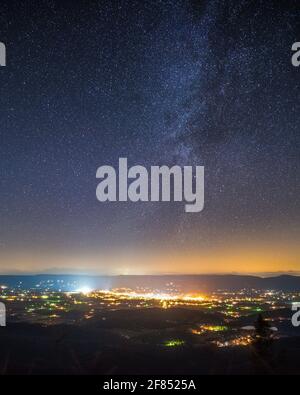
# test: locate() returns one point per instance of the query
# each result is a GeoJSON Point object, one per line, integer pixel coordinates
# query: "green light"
{"type": "Point", "coordinates": [213, 328]}
{"type": "Point", "coordinates": [219, 328]}
{"type": "Point", "coordinates": [174, 343]}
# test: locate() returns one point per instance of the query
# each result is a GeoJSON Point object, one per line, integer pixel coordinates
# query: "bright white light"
{"type": "Point", "coordinates": [85, 290]}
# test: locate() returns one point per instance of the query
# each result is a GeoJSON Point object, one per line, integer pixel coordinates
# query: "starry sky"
{"type": "Point", "coordinates": [191, 82]}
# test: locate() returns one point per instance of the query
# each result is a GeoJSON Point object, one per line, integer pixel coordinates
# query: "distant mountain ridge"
{"type": "Point", "coordinates": [183, 283]}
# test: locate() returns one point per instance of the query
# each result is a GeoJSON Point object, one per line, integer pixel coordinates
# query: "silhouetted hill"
{"type": "Point", "coordinates": [185, 283]}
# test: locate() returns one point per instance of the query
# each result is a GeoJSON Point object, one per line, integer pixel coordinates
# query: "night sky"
{"type": "Point", "coordinates": [206, 83]}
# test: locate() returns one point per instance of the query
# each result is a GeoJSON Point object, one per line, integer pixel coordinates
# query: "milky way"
{"type": "Point", "coordinates": [159, 82]}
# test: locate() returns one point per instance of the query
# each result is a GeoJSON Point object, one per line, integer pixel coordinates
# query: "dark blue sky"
{"type": "Point", "coordinates": [160, 82]}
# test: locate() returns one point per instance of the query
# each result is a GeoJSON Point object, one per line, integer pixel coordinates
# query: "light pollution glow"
{"type": "Point", "coordinates": [260, 258]}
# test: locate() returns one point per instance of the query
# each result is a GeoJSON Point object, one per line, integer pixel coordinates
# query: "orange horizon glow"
{"type": "Point", "coordinates": [244, 259]}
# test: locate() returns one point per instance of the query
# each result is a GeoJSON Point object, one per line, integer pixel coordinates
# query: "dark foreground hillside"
{"type": "Point", "coordinates": [134, 346]}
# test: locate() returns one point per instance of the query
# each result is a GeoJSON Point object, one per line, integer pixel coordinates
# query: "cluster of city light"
{"type": "Point", "coordinates": [174, 343]}
{"type": "Point", "coordinates": [90, 304]}
{"type": "Point", "coordinates": [242, 341]}
{"type": "Point", "coordinates": [154, 296]}
{"type": "Point", "coordinates": [209, 328]}
{"type": "Point", "coordinates": [85, 290]}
